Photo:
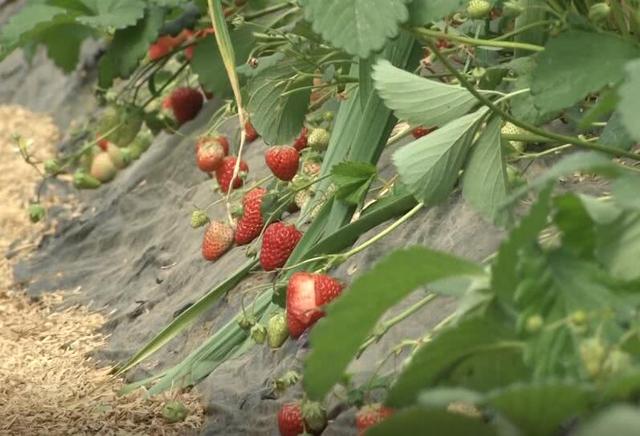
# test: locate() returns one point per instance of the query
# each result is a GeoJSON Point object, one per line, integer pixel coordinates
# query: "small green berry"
{"type": "Point", "coordinates": [319, 139]}
{"type": "Point", "coordinates": [36, 212]}
{"type": "Point", "coordinates": [199, 218]}
{"type": "Point", "coordinates": [478, 8]}
{"type": "Point", "coordinates": [277, 331]}
{"type": "Point", "coordinates": [52, 166]}
{"type": "Point", "coordinates": [258, 333]}
{"type": "Point", "coordinates": [174, 411]}
{"type": "Point", "coordinates": [534, 323]}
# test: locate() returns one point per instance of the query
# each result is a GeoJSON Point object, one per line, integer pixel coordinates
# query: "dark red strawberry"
{"type": "Point", "coordinates": [419, 132]}
{"type": "Point", "coordinates": [224, 173]}
{"type": "Point", "coordinates": [306, 294]}
{"type": "Point", "coordinates": [371, 415]}
{"type": "Point", "coordinates": [251, 222]}
{"type": "Point", "coordinates": [185, 103]}
{"type": "Point", "coordinates": [290, 422]}
{"type": "Point", "coordinates": [218, 238]}
{"type": "Point", "coordinates": [210, 150]}
{"type": "Point", "coordinates": [283, 161]}
{"type": "Point", "coordinates": [249, 132]}
{"type": "Point", "coordinates": [278, 242]}
{"type": "Point", "coordinates": [301, 141]}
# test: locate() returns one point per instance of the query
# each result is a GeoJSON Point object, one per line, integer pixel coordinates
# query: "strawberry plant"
{"type": "Point", "coordinates": [467, 97]}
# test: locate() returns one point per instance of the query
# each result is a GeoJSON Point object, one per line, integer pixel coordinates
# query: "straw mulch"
{"type": "Point", "coordinates": [48, 384]}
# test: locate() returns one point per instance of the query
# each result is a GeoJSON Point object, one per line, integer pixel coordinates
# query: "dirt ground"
{"type": "Point", "coordinates": [48, 384]}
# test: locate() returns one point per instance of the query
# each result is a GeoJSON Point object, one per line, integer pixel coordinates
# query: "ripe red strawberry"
{"type": "Point", "coordinates": [218, 238]}
{"type": "Point", "coordinates": [185, 103]}
{"type": "Point", "coordinates": [306, 294]}
{"type": "Point", "coordinates": [283, 161]}
{"type": "Point", "coordinates": [251, 222]}
{"type": "Point", "coordinates": [161, 47]}
{"type": "Point", "coordinates": [210, 150]}
{"type": "Point", "coordinates": [419, 132]}
{"type": "Point", "coordinates": [371, 415]}
{"type": "Point", "coordinates": [224, 173]}
{"type": "Point", "coordinates": [102, 143]}
{"type": "Point", "coordinates": [278, 242]}
{"type": "Point", "coordinates": [249, 132]}
{"type": "Point", "coordinates": [290, 422]}
{"type": "Point", "coordinates": [301, 141]}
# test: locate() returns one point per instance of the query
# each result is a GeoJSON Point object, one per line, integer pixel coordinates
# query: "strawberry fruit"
{"type": "Point", "coordinates": [218, 238]}
{"type": "Point", "coordinates": [283, 161]}
{"type": "Point", "coordinates": [370, 415]}
{"type": "Point", "coordinates": [290, 422]}
{"type": "Point", "coordinates": [250, 132]}
{"type": "Point", "coordinates": [185, 103]}
{"type": "Point", "coordinates": [251, 222]}
{"type": "Point", "coordinates": [420, 131]}
{"type": "Point", "coordinates": [301, 141]}
{"type": "Point", "coordinates": [224, 173]}
{"type": "Point", "coordinates": [102, 167]}
{"type": "Point", "coordinates": [210, 150]}
{"type": "Point", "coordinates": [306, 294]}
{"type": "Point", "coordinates": [161, 47]}
{"type": "Point", "coordinates": [278, 243]}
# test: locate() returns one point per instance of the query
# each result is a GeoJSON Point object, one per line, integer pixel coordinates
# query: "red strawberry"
{"type": "Point", "coordinates": [419, 132]}
{"type": "Point", "coordinates": [161, 47]}
{"type": "Point", "coordinates": [210, 150]}
{"type": "Point", "coordinates": [371, 415]}
{"type": "Point", "coordinates": [301, 141]}
{"type": "Point", "coordinates": [306, 294]}
{"type": "Point", "coordinates": [218, 238]}
{"type": "Point", "coordinates": [103, 143]}
{"type": "Point", "coordinates": [185, 103]}
{"type": "Point", "coordinates": [278, 242]}
{"type": "Point", "coordinates": [251, 223]}
{"type": "Point", "coordinates": [224, 173]}
{"type": "Point", "coordinates": [290, 422]}
{"type": "Point", "coordinates": [249, 132]}
{"type": "Point", "coordinates": [283, 161]}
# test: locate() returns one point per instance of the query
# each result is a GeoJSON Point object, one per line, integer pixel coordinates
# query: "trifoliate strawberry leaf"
{"type": "Point", "coordinates": [335, 339]}
{"type": "Point", "coordinates": [128, 47]}
{"type": "Point", "coordinates": [629, 105]}
{"type": "Point", "coordinates": [278, 101]}
{"type": "Point", "coordinates": [357, 26]}
{"type": "Point", "coordinates": [415, 421]}
{"type": "Point", "coordinates": [568, 68]}
{"type": "Point", "coordinates": [418, 100]}
{"type": "Point", "coordinates": [352, 180]}
{"type": "Point", "coordinates": [426, 11]}
{"type": "Point", "coordinates": [63, 43]}
{"type": "Point", "coordinates": [116, 14]}
{"type": "Point", "coordinates": [429, 166]}
{"type": "Point", "coordinates": [618, 420]}
{"type": "Point", "coordinates": [485, 177]}
{"type": "Point", "coordinates": [467, 344]}
{"type": "Point", "coordinates": [528, 405]}
{"type": "Point", "coordinates": [208, 65]}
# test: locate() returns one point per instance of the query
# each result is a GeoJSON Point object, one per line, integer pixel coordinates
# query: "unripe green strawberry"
{"type": "Point", "coordinates": [115, 153]}
{"type": "Point", "coordinates": [314, 415]}
{"type": "Point", "coordinates": [36, 212]}
{"type": "Point", "coordinates": [140, 144]}
{"type": "Point", "coordinates": [246, 322]}
{"type": "Point", "coordinates": [82, 180]}
{"type": "Point", "coordinates": [319, 139]}
{"type": "Point", "coordinates": [478, 8]}
{"type": "Point", "coordinates": [534, 323]}
{"type": "Point", "coordinates": [258, 333]}
{"type": "Point", "coordinates": [52, 166]}
{"type": "Point", "coordinates": [127, 155]}
{"type": "Point", "coordinates": [599, 12]}
{"type": "Point", "coordinates": [512, 129]}
{"type": "Point", "coordinates": [592, 353]}
{"type": "Point", "coordinates": [288, 379]}
{"type": "Point", "coordinates": [199, 218]}
{"type": "Point", "coordinates": [512, 8]}
{"type": "Point", "coordinates": [617, 361]}
{"type": "Point", "coordinates": [277, 331]}
{"type": "Point", "coordinates": [174, 411]}
{"type": "Point", "coordinates": [301, 198]}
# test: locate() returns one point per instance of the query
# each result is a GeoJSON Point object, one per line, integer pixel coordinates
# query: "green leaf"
{"type": "Point", "coordinates": [352, 180]}
{"type": "Point", "coordinates": [128, 47]}
{"type": "Point", "coordinates": [443, 397]}
{"type": "Point", "coordinates": [605, 105]}
{"type": "Point", "coordinates": [577, 227]}
{"type": "Point", "coordinates": [568, 68]}
{"type": "Point", "coordinates": [622, 386]}
{"type": "Point", "coordinates": [187, 318]}
{"type": "Point", "coordinates": [63, 43]}
{"type": "Point", "coordinates": [625, 192]}
{"type": "Point", "coordinates": [335, 339]}
{"type": "Point", "coordinates": [618, 420]}
{"type": "Point", "coordinates": [629, 105]}
{"type": "Point", "coordinates": [357, 26]}
{"type": "Point", "coordinates": [619, 246]}
{"type": "Point", "coordinates": [455, 348]}
{"type": "Point", "coordinates": [615, 134]}
{"type": "Point", "coordinates": [485, 177]}
{"type": "Point", "coordinates": [426, 11]}
{"type": "Point", "coordinates": [208, 65]}
{"type": "Point", "coordinates": [365, 82]}
{"type": "Point", "coordinates": [116, 14]}
{"type": "Point", "coordinates": [30, 18]}
{"type": "Point", "coordinates": [429, 166]}
{"type": "Point", "coordinates": [504, 278]}
{"type": "Point", "coordinates": [418, 100]}
{"type": "Point", "coordinates": [418, 421]}
{"type": "Point", "coordinates": [277, 116]}
{"type": "Point", "coordinates": [540, 409]}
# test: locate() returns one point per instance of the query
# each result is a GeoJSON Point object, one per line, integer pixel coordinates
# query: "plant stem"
{"type": "Point", "coordinates": [422, 32]}
{"type": "Point", "coordinates": [522, 29]}
{"type": "Point", "coordinates": [164, 86]}
{"type": "Point", "coordinates": [526, 126]}
{"type": "Point", "coordinates": [268, 10]}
